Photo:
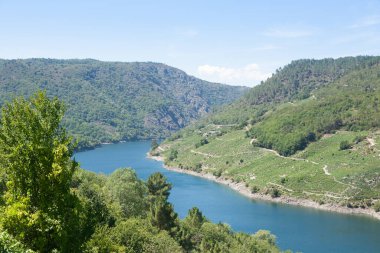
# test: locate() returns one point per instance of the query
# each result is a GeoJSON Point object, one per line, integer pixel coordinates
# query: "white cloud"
{"type": "Point", "coordinates": [248, 75]}
{"type": "Point", "coordinates": [285, 33]}
{"type": "Point", "coordinates": [367, 21]}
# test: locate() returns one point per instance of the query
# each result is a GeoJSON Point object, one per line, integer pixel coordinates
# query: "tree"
{"type": "Point", "coordinates": [154, 144]}
{"type": "Point", "coordinates": [158, 187]}
{"type": "Point", "coordinates": [173, 155]}
{"type": "Point", "coordinates": [190, 235]}
{"type": "Point", "coordinates": [162, 213]}
{"type": "Point", "coordinates": [35, 155]}
{"type": "Point", "coordinates": [128, 192]}
{"type": "Point", "coordinates": [195, 218]}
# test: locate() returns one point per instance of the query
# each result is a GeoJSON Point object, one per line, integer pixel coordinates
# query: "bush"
{"type": "Point", "coordinates": [275, 193]}
{"type": "Point", "coordinates": [198, 167]}
{"type": "Point", "coordinates": [358, 139]}
{"type": "Point", "coordinates": [201, 143]}
{"type": "Point", "coordinates": [344, 145]}
{"type": "Point", "coordinates": [376, 206]}
{"type": "Point", "coordinates": [217, 173]}
{"type": "Point", "coordinates": [255, 189]}
{"type": "Point", "coordinates": [173, 155]}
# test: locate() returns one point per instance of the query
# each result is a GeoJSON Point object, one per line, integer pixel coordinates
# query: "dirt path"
{"type": "Point", "coordinates": [204, 154]}
{"type": "Point", "coordinates": [326, 171]}
{"type": "Point", "coordinates": [286, 157]}
{"type": "Point", "coordinates": [371, 142]}
{"type": "Point", "coordinates": [281, 186]}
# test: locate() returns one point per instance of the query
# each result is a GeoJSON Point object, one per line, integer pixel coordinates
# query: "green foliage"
{"type": "Point", "coordinates": [51, 206]}
{"type": "Point", "coordinates": [154, 144]}
{"type": "Point", "coordinates": [128, 192]}
{"type": "Point", "coordinates": [173, 155]}
{"type": "Point", "coordinates": [201, 143]}
{"type": "Point", "coordinates": [217, 173]}
{"type": "Point", "coordinates": [255, 189]}
{"type": "Point", "coordinates": [158, 187]}
{"type": "Point", "coordinates": [112, 101]}
{"type": "Point", "coordinates": [350, 103]}
{"type": "Point", "coordinates": [8, 244]}
{"type": "Point", "coordinates": [134, 236]}
{"type": "Point", "coordinates": [376, 206]}
{"type": "Point", "coordinates": [161, 213]}
{"type": "Point", "coordinates": [297, 80]}
{"type": "Point", "coordinates": [274, 192]}
{"type": "Point", "coordinates": [344, 145]}
{"type": "Point", "coordinates": [35, 154]}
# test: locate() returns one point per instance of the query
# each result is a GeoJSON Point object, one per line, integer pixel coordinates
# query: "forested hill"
{"type": "Point", "coordinates": [296, 81]}
{"type": "Point", "coordinates": [111, 101]}
{"type": "Point", "coordinates": [312, 130]}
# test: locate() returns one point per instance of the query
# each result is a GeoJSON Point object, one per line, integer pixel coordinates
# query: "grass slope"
{"type": "Point", "coordinates": [324, 147]}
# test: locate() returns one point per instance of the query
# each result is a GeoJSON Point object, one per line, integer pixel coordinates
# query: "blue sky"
{"type": "Point", "coordinates": [230, 41]}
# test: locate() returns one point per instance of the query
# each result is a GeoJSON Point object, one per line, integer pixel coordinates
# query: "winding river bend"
{"type": "Point", "coordinates": [297, 228]}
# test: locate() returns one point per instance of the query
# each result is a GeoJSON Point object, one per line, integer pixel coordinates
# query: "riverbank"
{"type": "Point", "coordinates": [242, 189]}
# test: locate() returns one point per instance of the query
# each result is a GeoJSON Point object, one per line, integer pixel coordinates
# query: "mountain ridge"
{"type": "Point", "coordinates": [113, 101]}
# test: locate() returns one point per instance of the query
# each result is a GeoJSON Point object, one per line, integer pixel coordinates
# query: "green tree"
{"type": "Point", "coordinates": [173, 155]}
{"type": "Point", "coordinates": [128, 193]}
{"type": "Point", "coordinates": [190, 236]}
{"type": "Point", "coordinates": [35, 155]}
{"type": "Point", "coordinates": [158, 187]}
{"type": "Point", "coordinates": [154, 144]}
{"type": "Point", "coordinates": [195, 218]}
{"type": "Point", "coordinates": [162, 213]}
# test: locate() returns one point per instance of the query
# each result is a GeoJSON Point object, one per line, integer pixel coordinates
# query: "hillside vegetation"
{"type": "Point", "coordinates": [310, 131]}
{"type": "Point", "coordinates": [113, 101]}
{"type": "Point", "coordinates": [48, 204]}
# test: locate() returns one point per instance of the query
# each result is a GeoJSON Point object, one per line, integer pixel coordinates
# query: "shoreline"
{"type": "Point", "coordinates": [242, 189]}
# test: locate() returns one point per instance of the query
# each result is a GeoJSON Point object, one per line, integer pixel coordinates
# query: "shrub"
{"type": "Point", "coordinates": [173, 155]}
{"type": "Point", "coordinates": [198, 167]}
{"type": "Point", "coordinates": [275, 193]}
{"type": "Point", "coordinates": [201, 143]}
{"type": "Point", "coordinates": [217, 173]}
{"type": "Point", "coordinates": [376, 206]}
{"type": "Point", "coordinates": [255, 189]}
{"type": "Point", "coordinates": [358, 139]}
{"type": "Point", "coordinates": [344, 145]}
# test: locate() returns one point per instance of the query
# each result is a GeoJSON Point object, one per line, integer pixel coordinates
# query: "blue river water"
{"type": "Point", "coordinates": [296, 228]}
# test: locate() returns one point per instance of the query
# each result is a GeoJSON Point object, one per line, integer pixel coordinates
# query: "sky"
{"type": "Point", "coordinates": [238, 42]}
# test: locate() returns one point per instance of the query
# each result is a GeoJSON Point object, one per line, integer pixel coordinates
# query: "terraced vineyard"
{"type": "Point", "coordinates": [323, 147]}
{"type": "Point", "coordinates": [321, 172]}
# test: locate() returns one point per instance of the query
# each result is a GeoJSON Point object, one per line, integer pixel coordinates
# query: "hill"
{"type": "Point", "coordinates": [113, 101]}
{"type": "Point", "coordinates": [311, 131]}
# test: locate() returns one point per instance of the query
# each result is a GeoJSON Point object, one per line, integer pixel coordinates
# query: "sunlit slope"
{"type": "Point", "coordinates": [324, 147]}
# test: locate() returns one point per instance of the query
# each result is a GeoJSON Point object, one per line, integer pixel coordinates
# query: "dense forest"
{"type": "Point", "coordinates": [113, 101]}
{"type": "Point", "coordinates": [311, 131]}
{"type": "Point", "coordinates": [49, 204]}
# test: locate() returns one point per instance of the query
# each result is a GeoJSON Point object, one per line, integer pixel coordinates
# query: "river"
{"type": "Point", "coordinates": [296, 228]}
